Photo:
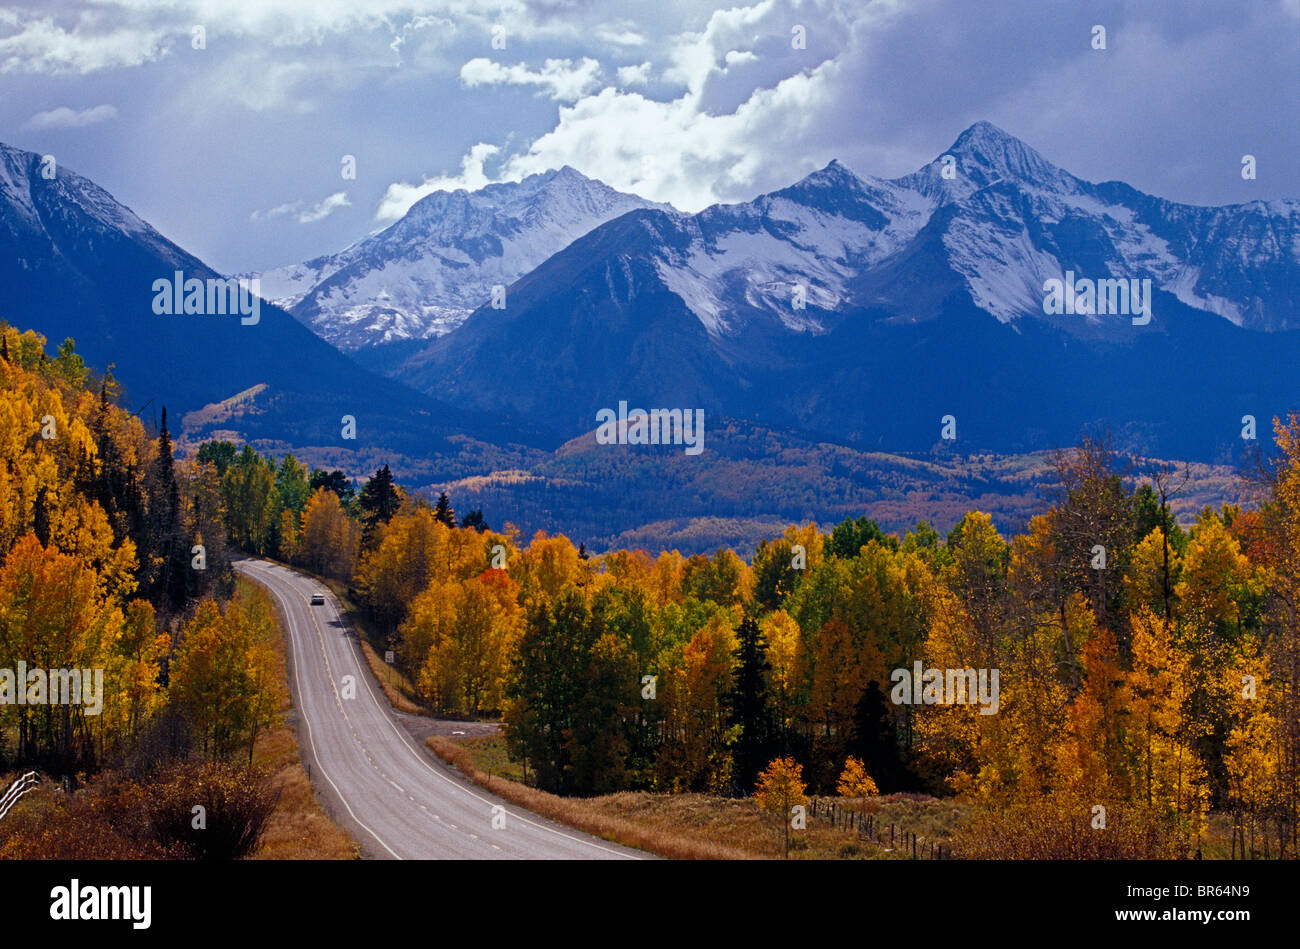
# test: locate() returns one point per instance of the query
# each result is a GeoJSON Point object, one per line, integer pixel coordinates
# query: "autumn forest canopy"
{"type": "Point", "coordinates": [1144, 667]}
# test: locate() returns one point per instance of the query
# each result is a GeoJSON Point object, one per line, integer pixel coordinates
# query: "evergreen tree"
{"type": "Point", "coordinates": [850, 536]}
{"type": "Point", "coordinates": [545, 689]}
{"type": "Point", "coordinates": [379, 500]}
{"type": "Point", "coordinates": [475, 520]}
{"type": "Point", "coordinates": [749, 707]}
{"type": "Point", "coordinates": [167, 545]}
{"type": "Point", "coordinates": [335, 481]}
{"type": "Point", "coordinates": [443, 512]}
{"type": "Point", "coordinates": [874, 742]}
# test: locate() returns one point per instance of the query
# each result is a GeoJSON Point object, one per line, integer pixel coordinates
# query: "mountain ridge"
{"type": "Point", "coordinates": [423, 274]}
{"type": "Point", "coordinates": [800, 291]}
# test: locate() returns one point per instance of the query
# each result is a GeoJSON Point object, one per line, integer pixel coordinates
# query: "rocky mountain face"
{"type": "Point", "coordinates": [867, 309]}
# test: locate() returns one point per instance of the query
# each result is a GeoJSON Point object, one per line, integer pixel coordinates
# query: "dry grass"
{"type": "Point", "coordinates": [299, 829]}
{"type": "Point", "coordinates": [585, 814]}
{"type": "Point", "coordinates": [394, 684]}
{"type": "Point", "coordinates": [488, 753]}
{"type": "Point", "coordinates": [702, 826]}
{"type": "Point", "coordinates": [741, 825]}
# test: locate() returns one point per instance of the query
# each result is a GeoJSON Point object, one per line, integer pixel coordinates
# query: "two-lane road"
{"type": "Point", "coordinates": [394, 796]}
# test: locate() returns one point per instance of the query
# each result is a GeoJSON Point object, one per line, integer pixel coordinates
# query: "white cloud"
{"type": "Point", "coordinates": [325, 208]}
{"type": "Point", "coordinates": [67, 118]}
{"type": "Point", "coordinates": [738, 57]}
{"type": "Point", "coordinates": [634, 75]}
{"type": "Point", "coordinates": [90, 35]}
{"type": "Point", "coordinates": [621, 35]}
{"type": "Point", "coordinates": [39, 45]}
{"type": "Point", "coordinates": [564, 81]}
{"type": "Point", "coordinates": [305, 214]}
{"type": "Point", "coordinates": [690, 152]}
{"type": "Point", "coordinates": [671, 151]}
{"type": "Point", "coordinates": [399, 197]}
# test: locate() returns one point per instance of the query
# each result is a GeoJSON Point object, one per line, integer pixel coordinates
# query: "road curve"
{"type": "Point", "coordinates": [396, 798]}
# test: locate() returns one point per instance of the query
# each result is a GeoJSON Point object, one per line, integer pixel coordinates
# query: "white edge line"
{"type": "Point", "coordinates": [306, 718]}
{"type": "Point", "coordinates": [385, 711]}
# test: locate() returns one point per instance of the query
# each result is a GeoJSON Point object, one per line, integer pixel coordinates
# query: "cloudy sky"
{"type": "Point", "coordinates": [236, 149]}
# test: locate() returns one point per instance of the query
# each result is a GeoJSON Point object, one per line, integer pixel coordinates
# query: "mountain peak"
{"type": "Point", "coordinates": [425, 273]}
{"type": "Point", "coordinates": [834, 175]}
{"type": "Point", "coordinates": [988, 154]}
{"type": "Point", "coordinates": [984, 131]}
{"type": "Point", "coordinates": [985, 155]}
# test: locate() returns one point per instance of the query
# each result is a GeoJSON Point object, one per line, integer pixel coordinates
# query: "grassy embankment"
{"type": "Point", "coordinates": [703, 826]}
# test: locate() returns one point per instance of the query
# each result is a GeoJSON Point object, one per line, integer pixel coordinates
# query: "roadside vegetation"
{"type": "Point", "coordinates": [114, 563]}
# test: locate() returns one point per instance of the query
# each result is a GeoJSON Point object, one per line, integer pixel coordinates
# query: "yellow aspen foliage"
{"type": "Point", "coordinates": [459, 635]}
{"type": "Point", "coordinates": [547, 568]}
{"type": "Point", "coordinates": [977, 575]}
{"type": "Point", "coordinates": [133, 670]}
{"type": "Point", "coordinates": [1145, 576]}
{"type": "Point", "coordinates": [693, 692]}
{"type": "Point", "coordinates": [629, 569]}
{"type": "Point", "coordinates": [289, 535]}
{"type": "Point", "coordinates": [52, 616]}
{"type": "Point", "coordinates": [947, 736]}
{"type": "Point", "coordinates": [224, 676]}
{"type": "Point", "coordinates": [1091, 758]}
{"type": "Point", "coordinates": [784, 645]}
{"type": "Point", "coordinates": [668, 569]}
{"type": "Point", "coordinates": [1166, 774]}
{"type": "Point", "coordinates": [82, 529]}
{"type": "Point", "coordinates": [329, 540]}
{"type": "Point", "coordinates": [427, 642]}
{"type": "Point", "coordinates": [846, 659]}
{"type": "Point", "coordinates": [1255, 752]}
{"type": "Point", "coordinates": [854, 781]}
{"type": "Point", "coordinates": [1217, 580]}
{"type": "Point", "coordinates": [780, 789]}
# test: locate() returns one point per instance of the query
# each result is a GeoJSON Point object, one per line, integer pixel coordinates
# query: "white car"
{"type": "Point", "coordinates": [318, 599]}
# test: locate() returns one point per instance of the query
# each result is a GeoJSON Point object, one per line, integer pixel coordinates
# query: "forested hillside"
{"type": "Point", "coordinates": [113, 563]}
{"type": "Point", "coordinates": [1143, 668]}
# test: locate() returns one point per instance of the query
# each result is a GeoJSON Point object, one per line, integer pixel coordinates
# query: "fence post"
{"type": "Point", "coordinates": [891, 835]}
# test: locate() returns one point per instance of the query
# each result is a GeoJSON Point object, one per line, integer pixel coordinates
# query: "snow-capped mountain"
{"type": "Point", "coordinates": [420, 277]}
{"type": "Point", "coordinates": [75, 262]}
{"type": "Point", "coordinates": [796, 307]}
{"type": "Point", "coordinates": [1008, 220]}
{"type": "Point", "coordinates": [1003, 224]}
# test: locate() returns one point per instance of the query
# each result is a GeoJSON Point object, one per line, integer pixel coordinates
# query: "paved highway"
{"type": "Point", "coordinates": [397, 799]}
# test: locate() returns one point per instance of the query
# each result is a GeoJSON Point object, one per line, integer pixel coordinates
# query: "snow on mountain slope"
{"type": "Point", "coordinates": [420, 277]}
{"type": "Point", "coordinates": [65, 195]}
{"type": "Point", "coordinates": [810, 239]}
{"type": "Point", "coordinates": [991, 214]}
{"type": "Point", "coordinates": [1017, 220]}
{"type": "Point", "coordinates": [991, 219]}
